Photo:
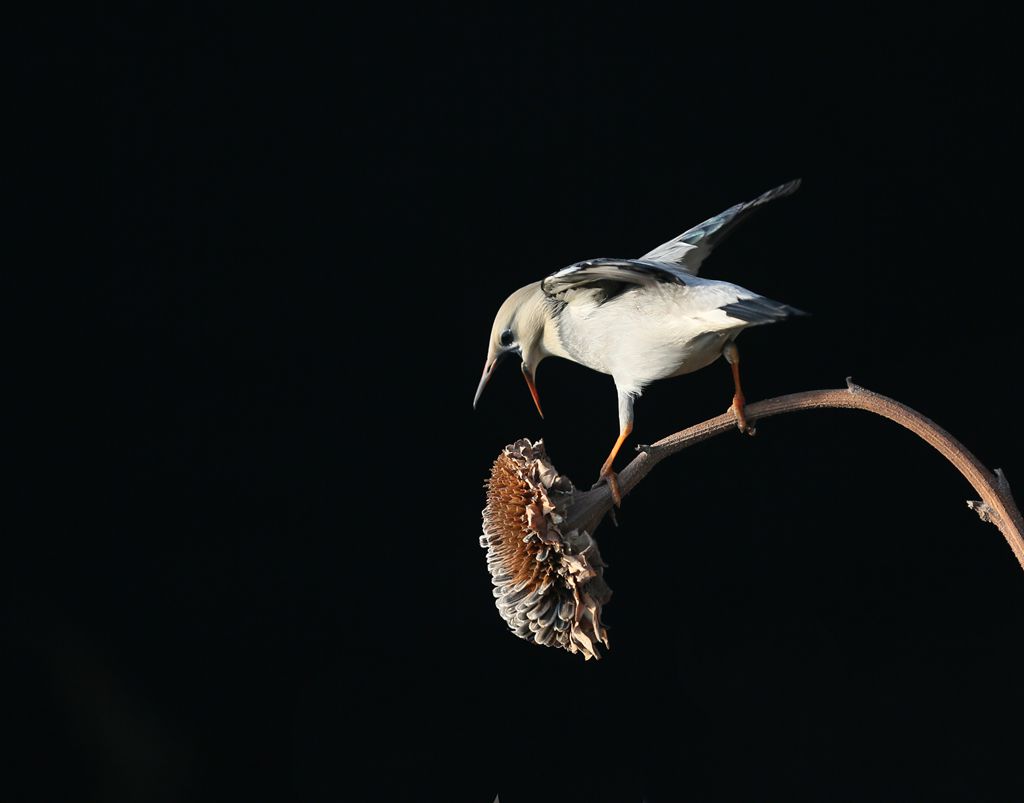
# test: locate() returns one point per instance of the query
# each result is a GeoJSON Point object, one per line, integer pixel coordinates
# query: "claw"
{"type": "Point", "coordinates": [738, 407]}
{"type": "Point", "coordinates": [612, 479]}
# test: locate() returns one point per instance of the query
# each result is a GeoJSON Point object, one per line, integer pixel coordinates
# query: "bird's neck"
{"type": "Point", "coordinates": [551, 342]}
{"type": "Point", "coordinates": [545, 311]}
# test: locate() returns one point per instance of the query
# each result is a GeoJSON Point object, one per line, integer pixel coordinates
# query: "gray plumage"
{"type": "Point", "coordinates": [692, 246]}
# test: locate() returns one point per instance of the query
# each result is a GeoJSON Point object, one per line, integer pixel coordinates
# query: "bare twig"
{"type": "Point", "coordinates": [996, 504]}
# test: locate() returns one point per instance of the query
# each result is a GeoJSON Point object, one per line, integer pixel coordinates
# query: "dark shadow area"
{"type": "Point", "coordinates": [280, 593]}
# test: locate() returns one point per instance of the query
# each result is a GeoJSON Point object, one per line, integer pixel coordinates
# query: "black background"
{"type": "Point", "coordinates": [278, 592]}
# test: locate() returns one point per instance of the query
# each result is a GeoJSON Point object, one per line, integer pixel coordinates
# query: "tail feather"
{"type": "Point", "coordinates": [759, 310]}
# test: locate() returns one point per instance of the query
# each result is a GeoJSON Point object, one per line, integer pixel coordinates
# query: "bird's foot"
{"type": "Point", "coordinates": [610, 477]}
{"type": "Point", "coordinates": [739, 409]}
{"type": "Point", "coordinates": [646, 448]}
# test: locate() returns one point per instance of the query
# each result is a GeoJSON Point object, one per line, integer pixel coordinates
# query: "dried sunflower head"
{"type": "Point", "coordinates": [548, 585]}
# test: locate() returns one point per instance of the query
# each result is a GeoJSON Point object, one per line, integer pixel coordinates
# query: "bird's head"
{"type": "Point", "coordinates": [518, 329]}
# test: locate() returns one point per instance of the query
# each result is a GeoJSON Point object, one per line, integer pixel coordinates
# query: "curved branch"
{"type": "Point", "coordinates": [996, 506]}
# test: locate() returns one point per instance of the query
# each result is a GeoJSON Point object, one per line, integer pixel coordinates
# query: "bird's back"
{"type": "Point", "coordinates": [649, 332]}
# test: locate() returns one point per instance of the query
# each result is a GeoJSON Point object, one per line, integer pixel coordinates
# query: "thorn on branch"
{"type": "Point", "coordinates": [850, 386]}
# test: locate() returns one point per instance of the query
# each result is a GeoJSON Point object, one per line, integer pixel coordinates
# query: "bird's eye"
{"type": "Point", "coordinates": [507, 337]}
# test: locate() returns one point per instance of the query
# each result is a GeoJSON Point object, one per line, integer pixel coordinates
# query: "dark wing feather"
{"type": "Point", "coordinates": [610, 277]}
{"type": "Point", "coordinates": [692, 247]}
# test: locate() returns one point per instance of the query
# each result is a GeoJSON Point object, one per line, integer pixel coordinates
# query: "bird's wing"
{"type": "Point", "coordinates": [691, 248]}
{"type": "Point", "coordinates": [720, 305]}
{"type": "Point", "coordinates": [611, 276]}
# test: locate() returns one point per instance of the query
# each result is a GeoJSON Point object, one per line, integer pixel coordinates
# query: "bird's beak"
{"type": "Point", "coordinates": [528, 376]}
{"type": "Point", "coordinates": [488, 370]}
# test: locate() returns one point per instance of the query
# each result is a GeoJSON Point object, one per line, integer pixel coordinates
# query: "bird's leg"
{"type": "Point", "coordinates": [610, 476]}
{"type": "Point", "coordinates": [739, 402]}
{"type": "Point", "coordinates": [625, 427]}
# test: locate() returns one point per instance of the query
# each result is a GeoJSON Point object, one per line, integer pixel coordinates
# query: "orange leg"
{"type": "Point", "coordinates": [606, 470]}
{"type": "Point", "coordinates": [739, 402]}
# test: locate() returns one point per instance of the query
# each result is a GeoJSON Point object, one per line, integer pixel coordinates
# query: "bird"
{"type": "Point", "coordinates": [639, 320]}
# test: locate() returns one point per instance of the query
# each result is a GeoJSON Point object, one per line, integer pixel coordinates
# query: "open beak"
{"type": "Point", "coordinates": [488, 370]}
{"type": "Point", "coordinates": [533, 388]}
{"type": "Point", "coordinates": [486, 377]}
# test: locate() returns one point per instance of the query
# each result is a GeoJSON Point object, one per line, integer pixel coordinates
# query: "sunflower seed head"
{"type": "Point", "coordinates": [548, 585]}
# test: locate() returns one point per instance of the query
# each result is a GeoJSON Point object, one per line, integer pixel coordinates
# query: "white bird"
{"type": "Point", "coordinates": [638, 320]}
